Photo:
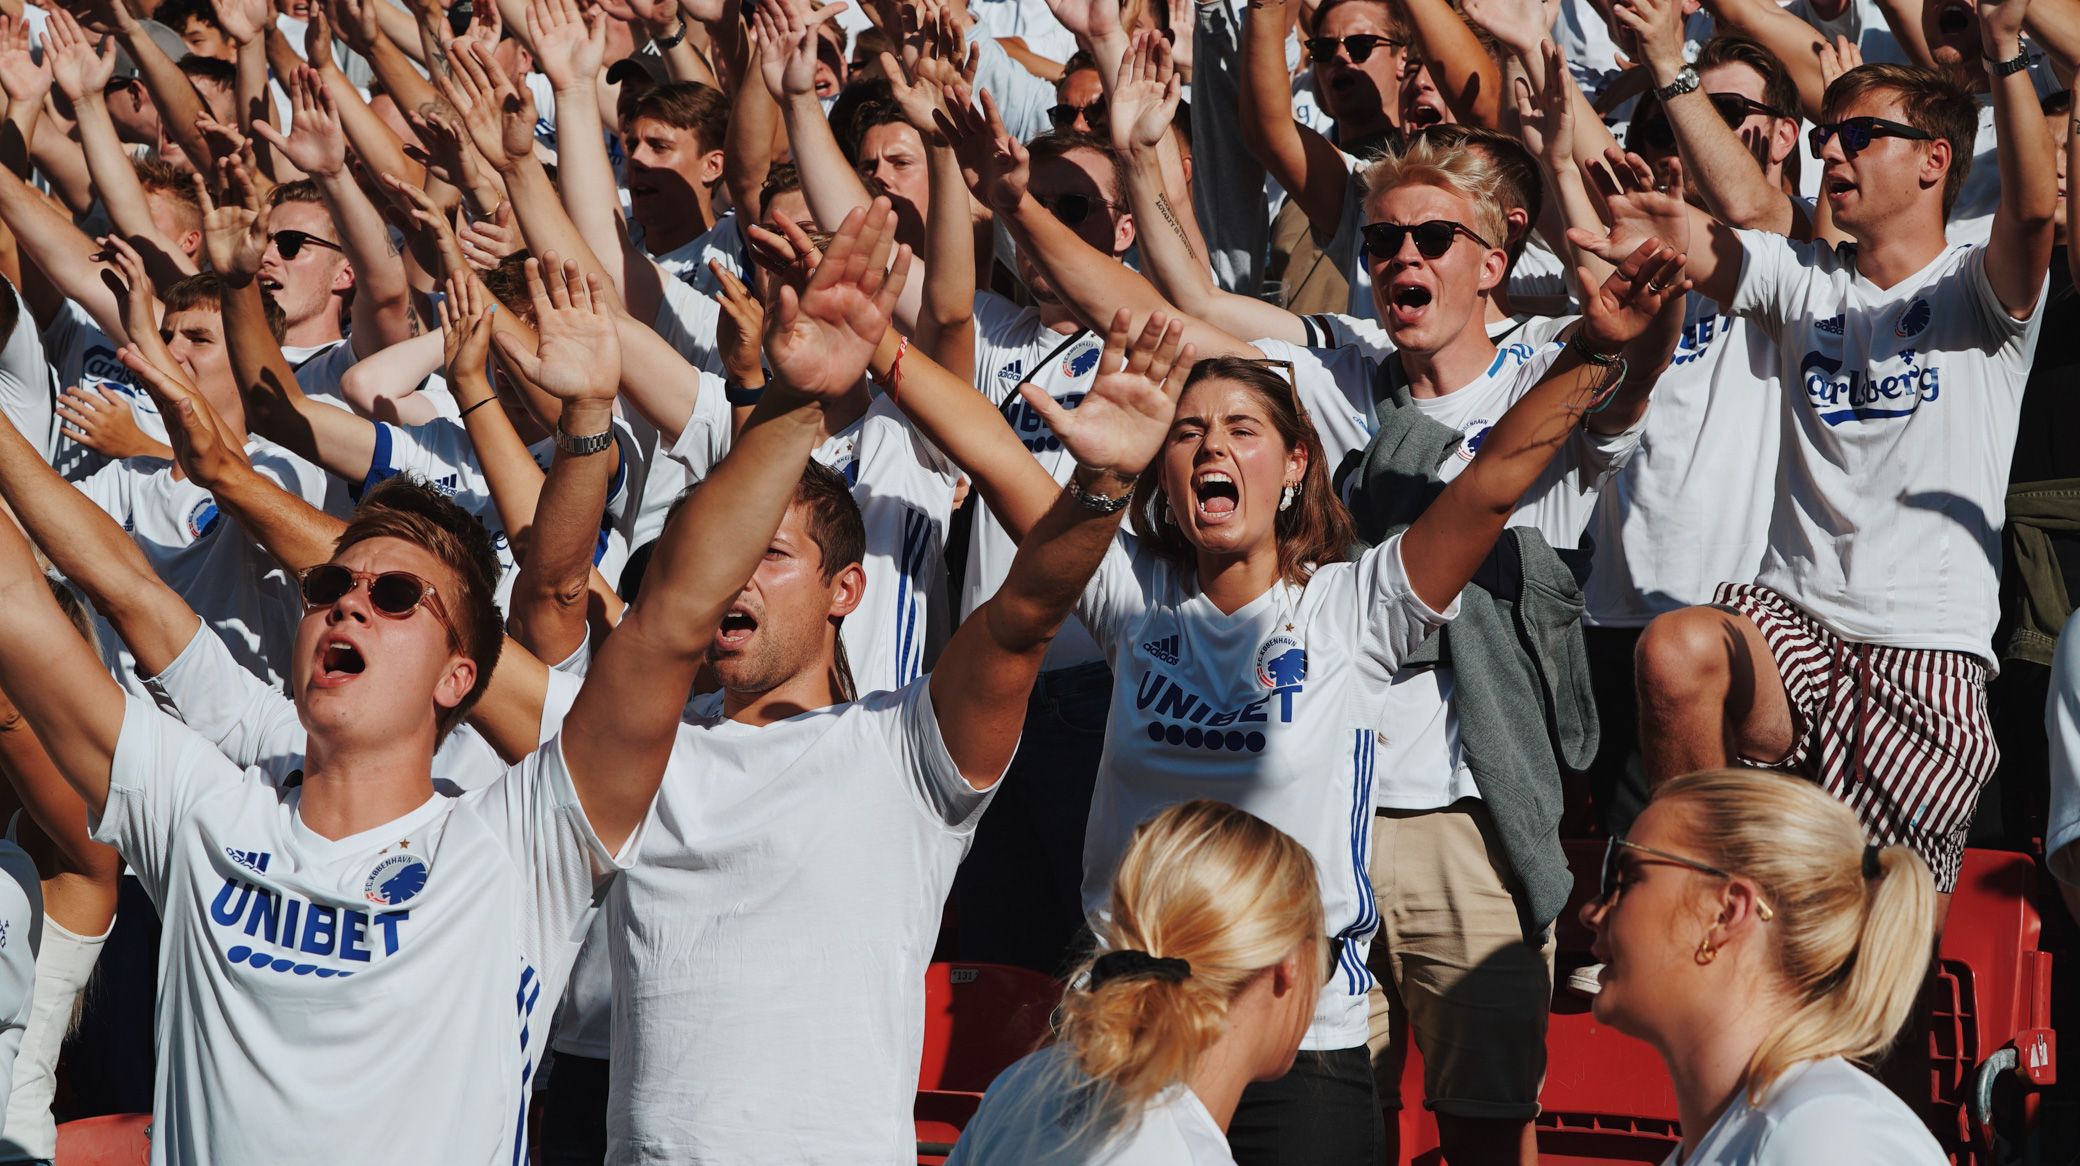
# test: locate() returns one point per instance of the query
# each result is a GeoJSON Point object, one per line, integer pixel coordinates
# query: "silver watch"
{"type": "Point", "coordinates": [1685, 82]}
{"type": "Point", "coordinates": [585, 446]}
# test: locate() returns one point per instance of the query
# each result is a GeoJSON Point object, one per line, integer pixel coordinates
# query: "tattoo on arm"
{"type": "Point", "coordinates": [1176, 228]}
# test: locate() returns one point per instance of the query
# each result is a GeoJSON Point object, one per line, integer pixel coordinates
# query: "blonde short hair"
{"type": "Point", "coordinates": [1473, 175]}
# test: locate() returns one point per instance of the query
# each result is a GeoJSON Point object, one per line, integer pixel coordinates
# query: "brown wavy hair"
{"type": "Point", "coordinates": [1316, 530]}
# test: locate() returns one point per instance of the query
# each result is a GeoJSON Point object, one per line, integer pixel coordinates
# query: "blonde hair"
{"type": "Point", "coordinates": [1852, 951]}
{"type": "Point", "coordinates": [1218, 888]}
{"type": "Point", "coordinates": [1473, 175]}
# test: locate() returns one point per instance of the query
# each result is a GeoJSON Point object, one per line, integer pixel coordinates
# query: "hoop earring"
{"type": "Point", "coordinates": [1706, 953]}
{"type": "Point", "coordinates": [1285, 500]}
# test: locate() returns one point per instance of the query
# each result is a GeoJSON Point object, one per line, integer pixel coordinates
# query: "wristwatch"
{"type": "Point", "coordinates": [2011, 66]}
{"type": "Point", "coordinates": [741, 396]}
{"type": "Point", "coordinates": [586, 445]}
{"type": "Point", "coordinates": [672, 41]}
{"type": "Point", "coordinates": [1099, 503]}
{"type": "Point", "coordinates": [1686, 82]}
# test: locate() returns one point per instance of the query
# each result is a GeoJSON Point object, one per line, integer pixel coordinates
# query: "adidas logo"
{"type": "Point", "coordinates": [1831, 325]}
{"type": "Point", "coordinates": [1164, 649]}
{"type": "Point", "coordinates": [1012, 372]}
{"type": "Point", "coordinates": [252, 860]}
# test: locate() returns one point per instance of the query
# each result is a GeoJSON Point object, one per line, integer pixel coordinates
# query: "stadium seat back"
{"type": "Point", "coordinates": [118, 1139]}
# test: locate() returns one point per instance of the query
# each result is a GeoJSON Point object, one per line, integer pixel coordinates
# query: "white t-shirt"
{"type": "Point", "coordinates": [770, 949]}
{"type": "Point", "coordinates": [1032, 1105]}
{"type": "Point", "coordinates": [2062, 723]}
{"type": "Point", "coordinates": [723, 243]}
{"type": "Point", "coordinates": [904, 487]}
{"type": "Point", "coordinates": [319, 981]}
{"type": "Point", "coordinates": [21, 934]}
{"type": "Point", "coordinates": [207, 557]}
{"type": "Point", "coordinates": [1971, 219]}
{"type": "Point", "coordinates": [320, 368]}
{"type": "Point", "coordinates": [28, 399]}
{"type": "Point", "coordinates": [688, 318]}
{"type": "Point", "coordinates": [1691, 509]}
{"type": "Point", "coordinates": [82, 354]}
{"type": "Point", "coordinates": [1819, 1113]}
{"type": "Point", "coordinates": [1899, 426]}
{"type": "Point", "coordinates": [1012, 346]}
{"type": "Point", "coordinates": [63, 962]}
{"type": "Point", "coordinates": [1271, 709]}
{"type": "Point", "coordinates": [256, 727]}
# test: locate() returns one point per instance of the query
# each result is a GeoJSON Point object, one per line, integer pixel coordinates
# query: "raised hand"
{"type": "Point", "coordinates": [1090, 20]}
{"type": "Point", "coordinates": [315, 144]}
{"type": "Point", "coordinates": [1836, 58]}
{"type": "Point", "coordinates": [1119, 426]}
{"type": "Point", "coordinates": [1144, 98]}
{"type": "Point", "coordinates": [1546, 117]}
{"type": "Point", "coordinates": [579, 356]}
{"type": "Point", "coordinates": [1517, 25]}
{"type": "Point", "coordinates": [486, 26]}
{"type": "Point", "coordinates": [820, 333]}
{"type": "Point", "coordinates": [1637, 211]}
{"type": "Point", "coordinates": [500, 118]}
{"type": "Point", "coordinates": [570, 43]}
{"type": "Point", "coordinates": [2000, 27]}
{"type": "Point", "coordinates": [202, 444]}
{"type": "Point", "coordinates": [656, 17]}
{"type": "Point", "coordinates": [1657, 31]}
{"type": "Point", "coordinates": [22, 77]}
{"type": "Point", "coordinates": [741, 327]}
{"type": "Point", "coordinates": [919, 99]}
{"type": "Point", "coordinates": [487, 242]}
{"type": "Point", "coordinates": [242, 20]}
{"type": "Point", "coordinates": [135, 303]}
{"type": "Point", "coordinates": [79, 65]}
{"type": "Point", "coordinates": [103, 422]}
{"type": "Point", "coordinates": [449, 154]}
{"type": "Point", "coordinates": [465, 314]}
{"type": "Point", "coordinates": [234, 234]}
{"type": "Point", "coordinates": [1643, 283]}
{"type": "Point", "coordinates": [787, 45]}
{"type": "Point", "coordinates": [994, 163]}
{"type": "Point", "coordinates": [426, 215]}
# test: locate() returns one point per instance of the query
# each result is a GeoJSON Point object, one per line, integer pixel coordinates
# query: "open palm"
{"type": "Point", "coordinates": [1119, 426]}
{"type": "Point", "coordinates": [578, 357]}
{"type": "Point", "coordinates": [820, 336]}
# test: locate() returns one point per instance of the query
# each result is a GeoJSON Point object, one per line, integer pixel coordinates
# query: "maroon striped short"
{"type": "Point", "coordinates": [1900, 734]}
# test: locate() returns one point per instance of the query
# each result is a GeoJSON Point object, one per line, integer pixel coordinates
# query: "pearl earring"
{"type": "Point", "coordinates": [1285, 500]}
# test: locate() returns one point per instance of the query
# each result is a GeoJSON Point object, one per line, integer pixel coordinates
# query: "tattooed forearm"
{"type": "Point", "coordinates": [1176, 228]}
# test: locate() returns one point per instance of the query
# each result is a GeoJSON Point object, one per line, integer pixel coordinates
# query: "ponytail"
{"type": "Point", "coordinates": [1855, 924]}
{"type": "Point", "coordinates": [1206, 898]}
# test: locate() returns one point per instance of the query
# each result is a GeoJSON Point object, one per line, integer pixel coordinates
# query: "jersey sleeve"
{"type": "Point", "coordinates": [160, 770]}
{"type": "Point", "coordinates": [439, 453]}
{"type": "Point", "coordinates": [1375, 607]}
{"type": "Point", "coordinates": [2015, 339]}
{"type": "Point", "coordinates": [534, 808]}
{"type": "Point", "coordinates": [248, 720]}
{"type": "Point", "coordinates": [687, 320]}
{"type": "Point", "coordinates": [1118, 591]}
{"type": "Point", "coordinates": [26, 392]}
{"type": "Point", "coordinates": [912, 727]}
{"type": "Point", "coordinates": [292, 473]}
{"type": "Point", "coordinates": [1773, 270]}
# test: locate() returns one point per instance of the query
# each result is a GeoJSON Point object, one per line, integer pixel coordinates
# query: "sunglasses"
{"type": "Point", "coordinates": [1613, 854]}
{"type": "Point", "coordinates": [1433, 238]}
{"type": "Point", "coordinates": [292, 243]}
{"type": "Point", "coordinates": [1652, 130]}
{"type": "Point", "coordinates": [1858, 132]}
{"type": "Point", "coordinates": [1358, 45]}
{"type": "Point", "coordinates": [396, 594]}
{"type": "Point", "coordinates": [1064, 115]}
{"type": "Point", "coordinates": [1072, 209]}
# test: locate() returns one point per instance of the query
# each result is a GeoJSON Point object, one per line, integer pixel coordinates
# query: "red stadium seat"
{"type": "Point", "coordinates": [978, 1019]}
{"type": "Point", "coordinates": [119, 1139]}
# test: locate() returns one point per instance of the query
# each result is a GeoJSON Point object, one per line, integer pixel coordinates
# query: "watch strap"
{"type": "Point", "coordinates": [2011, 66]}
{"type": "Point", "coordinates": [584, 445]}
{"type": "Point", "coordinates": [1098, 503]}
{"type": "Point", "coordinates": [1686, 82]}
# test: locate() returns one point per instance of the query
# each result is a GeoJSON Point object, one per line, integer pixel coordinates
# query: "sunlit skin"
{"type": "Point", "coordinates": [1883, 180]}
{"type": "Point", "coordinates": [1952, 30]}
{"type": "Point", "coordinates": [175, 221]}
{"type": "Point", "coordinates": [670, 176]}
{"type": "Point", "coordinates": [1426, 304]}
{"type": "Point", "coordinates": [1360, 97]}
{"type": "Point", "coordinates": [2063, 143]}
{"type": "Point", "coordinates": [195, 337]}
{"type": "Point", "coordinates": [206, 40]}
{"type": "Point", "coordinates": [783, 623]}
{"type": "Point", "coordinates": [892, 154]}
{"type": "Point", "coordinates": [1223, 431]}
{"type": "Point", "coordinates": [307, 288]}
{"type": "Point", "coordinates": [358, 675]}
{"type": "Point", "coordinates": [1756, 131]}
{"type": "Point", "coordinates": [1109, 229]}
{"type": "Point", "coordinates": [1421, 103]}
{"type": "Point", "coordinates": [1080, 89]}
{"type": "Point", "coordinates": [136, 118]}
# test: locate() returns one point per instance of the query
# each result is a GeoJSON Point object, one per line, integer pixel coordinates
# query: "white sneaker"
{"type": "Point", "coordinates": [1583, 980]}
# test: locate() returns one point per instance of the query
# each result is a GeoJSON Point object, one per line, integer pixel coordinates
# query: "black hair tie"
{"type": "Point", "coordinates": [1872, 869]}
{"type": "Point", "coordinates": [1136, 965]}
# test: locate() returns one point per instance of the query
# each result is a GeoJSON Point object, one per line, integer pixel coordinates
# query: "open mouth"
{"type": "Point", "coordinates": [1953, 19]}
{"type": "Point", "coordinates": [1408, 301]}
{"type": "Point", "coordinates": [339, 660]}
{"type": "Point", "coordinates": [270, 284]}
{"type": "Point", "coordinates": [1423, 117]}
{"type": "Point", "coordinates": [1837, 188]}
{"type": "Point", "coordinates": [737, 627]}
{"type": "Point", "coordinates": [1216, 494]}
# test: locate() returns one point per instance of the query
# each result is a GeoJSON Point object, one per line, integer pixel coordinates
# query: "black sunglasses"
{"type": "Point", "coordinates": [1651, 129]}
{"type": "Point", "coordinates": [1433, 238]}
{"type": "Point", "coordinates": [1358, 45]}
{"type": "Point", "coordinates": [1858, 132]}
{"type": "Point", "coordinates": [1735, 108]}
{"type": "Point", "coordinates": [1612, 860]}
{"type": "Point", "coordinates": [1072, 209]}
{"type": "Point", "coordinates": [396, 594]}
{"type": "Point", "coordinates": [1064, 115]}
{"type": "Point", "coordinates": [292, 243]}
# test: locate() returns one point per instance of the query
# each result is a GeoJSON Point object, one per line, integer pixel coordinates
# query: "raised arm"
{"type": "Point", "coordinates": [59, 251]}
{"type": "Point", "coordinates": [1789, 39]}
{"type": "Point", "coordinates": [983, 677]}
{"type": "Point", "coordinates": [787, 62]}
{"type": "Point", "coordinates": [2019, 249]}
{"type": "Point", "coordinates": [1467, 77]}
{"type": "Point", "coordinates": [1448, 542]}
{"type": "Point", "coordinates": [620, 732]}
{"type": "Point", "coordinates": [754, 137]}
{"type": "Point", "coordinates": [1092, 285]}
{"type": "Point", "coordinates": [1716, 161]}
{"type": "Point", "coordinates": [172, 93]}
{"type": "Point", "coordinates": [243, 21]}
{"type": "Point", "coordinates": [376, 143]}
{"type": "Point", "coordinates": [1310, 169]}
{"type": "Point", "coordinates": [946, 316]}
{"type": "Point", "coordinates": [1638, 213]}
{"type": "Point", "coordinates": [579, 361]}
